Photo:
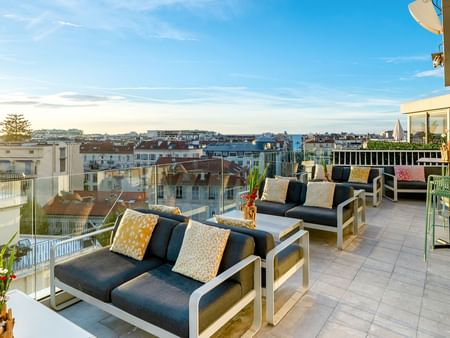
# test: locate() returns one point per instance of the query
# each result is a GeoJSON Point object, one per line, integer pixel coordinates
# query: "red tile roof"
{"type": "Point", "coordinates": [93, 203]}
{"type": "Point", "coordinates": [106, 147]}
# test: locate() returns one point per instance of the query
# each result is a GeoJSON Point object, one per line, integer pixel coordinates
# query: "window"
{"type": "Point", "coordinates": [230, 194]}
{"type": "Point", "coordinates": [437, 125]}
{"type": "Point", "coordinates": [195, 192]}
{"type": "Point", "coordinates": [160, 191]}
{"type": "Point", "coordinates": [211, 193]}
{"type": "Point", "coordinates": [179, 192]}
{"type": "Point", "coordinates": [62, 164]}
{"type": "Point", "coordinates": [418, 128]}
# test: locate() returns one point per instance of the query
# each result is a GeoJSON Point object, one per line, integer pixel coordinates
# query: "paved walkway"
{"type": "Point", "coordinates": [379, 286]}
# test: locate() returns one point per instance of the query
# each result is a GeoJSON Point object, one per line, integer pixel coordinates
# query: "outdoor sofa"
{"type": "Point", "coordinates": [373, 188]}
{"type": "Point", "coordinates": [149, 295]}
{"type": "Point", "coordinates": [393, 186]}
{"type": "Point", "coordinates": [280, 261]}
{"type": "Point", "coordinates": [342, 215]}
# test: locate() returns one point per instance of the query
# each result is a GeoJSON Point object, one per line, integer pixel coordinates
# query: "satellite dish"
{"type": "Point", "coordinates": [424, 13]}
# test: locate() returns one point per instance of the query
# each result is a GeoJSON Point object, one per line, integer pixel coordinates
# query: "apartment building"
{"type": "Point", "coordinates": [146, 153]}
{"type": "Point", "coordinates": [103, 155]}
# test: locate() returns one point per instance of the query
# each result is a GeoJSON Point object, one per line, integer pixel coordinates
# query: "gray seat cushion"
{"type": "Point", "coordinates": [368, 187]}
{"type": "Point", "coordinates": [272, 208]}
{"type": "Point", "coordinates": [411, 185]}
{"type": "Point", "coordinates": [161, 297]}
{"type": "Point", "coordinates": [318, 215]}
{"type": "Point", "coordinates": [98, 273]}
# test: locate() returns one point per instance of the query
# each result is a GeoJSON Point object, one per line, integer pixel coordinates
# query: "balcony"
{"type": "Point", "coordinates": [378, 286]}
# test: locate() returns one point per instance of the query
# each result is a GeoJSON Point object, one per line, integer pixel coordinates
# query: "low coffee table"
{"type": "Point", "coordinates": [36, 320]}
{"type": "Point", "coordinates": [278, 226]}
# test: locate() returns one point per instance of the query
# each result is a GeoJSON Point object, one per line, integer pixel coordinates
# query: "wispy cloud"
{"type": "Point", "coordinates": [438, 72]}
{"type": "Point", "coordinates": [69, 24]}
{"type": "Point", "coordinates": [405, 59]}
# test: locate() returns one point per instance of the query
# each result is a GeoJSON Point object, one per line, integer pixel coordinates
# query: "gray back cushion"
{"type": "Point", "coordinates": [264, 241]}
{"type": "Point", "coordinates": [294, 192]}
{"type": "Point", "coordinates": [342, 192]}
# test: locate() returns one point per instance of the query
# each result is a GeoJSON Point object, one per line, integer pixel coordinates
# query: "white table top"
{"type": "Point", "coordinates": [34, 320]}
{"type": "Point", "coordinates": [278, 226]}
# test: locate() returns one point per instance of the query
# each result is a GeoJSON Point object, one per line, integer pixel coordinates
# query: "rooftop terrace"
{"type": "Point", "coordinates": [379, 286]}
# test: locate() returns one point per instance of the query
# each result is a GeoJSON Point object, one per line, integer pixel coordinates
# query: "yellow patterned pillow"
{"type": "Point", "coordinates": [165, 208]}
{"type": "Point", "coordinates": [275, 190]}
{"type": "Point", "coordinates": [320, 195]}
{"type": "Point", "coordinates": [201, 252]}
{"type": "Point", "coordinates": [133, 234]}
{"type": "Point", "coordinates": [359, 174]}
{"type": "Point", "coordinates": [237, 222]}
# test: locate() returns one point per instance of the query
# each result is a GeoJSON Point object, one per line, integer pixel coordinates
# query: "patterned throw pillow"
{"type": "Point", "coordinates": [201, 251]}
{"type": "Point", "coordinates": [359, 174]}
{"type": "Point", "coordinates": [320, 195]}
{"type": "Point", "coordinates": [319, 172]}
{"type": "Point", "coordinates": [237, 222]}
{"type": "Point", "coordinates": [165, 208]}
{"type": "Point", "coordinates": [410, 173]}
{"type": "Point", "coordinates": [275, 190]}
{"type": "Point", "coordinates": [133, 234]}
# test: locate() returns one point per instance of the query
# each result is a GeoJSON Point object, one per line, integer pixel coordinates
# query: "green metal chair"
{"type": "Point", "coordinates": [438, 196]}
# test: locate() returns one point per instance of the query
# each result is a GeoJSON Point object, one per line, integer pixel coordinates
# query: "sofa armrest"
{"type": "Point", "coordinates": [377, 182]}
{"type": "Point", "coordinates": [391, 176]}
{"type": "Point", "coordinates": [194, 300]}
{"type": "Point", "coordinates": [272, 254]}
{"type": "Point", "coordinates": [53, 258]}
{"type": "Point", "coordinates": [340, 210]}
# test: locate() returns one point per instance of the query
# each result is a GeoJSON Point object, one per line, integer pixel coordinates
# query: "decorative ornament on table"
{"type": "Point", "coordinates": [7, 256]}
{"type": "Point", "coordinates": [254, 181]}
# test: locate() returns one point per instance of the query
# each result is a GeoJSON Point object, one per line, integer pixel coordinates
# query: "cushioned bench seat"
{"type": "Point", "coordinates": [393, 186]}
{"type": "Point", "coordinates": [161, 297]}
{"type": "Point", "coordinates": [98, 273]}
{"type": "Point", "coordinates": [272, 208]}
{"type": "Point", "coordinates": [319, 215]}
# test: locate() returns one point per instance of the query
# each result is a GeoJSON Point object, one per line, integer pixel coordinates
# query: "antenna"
{"type": "Point", "coordinates": [424, 12]}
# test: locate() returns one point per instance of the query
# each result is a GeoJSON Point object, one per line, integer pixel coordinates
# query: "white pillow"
{"type": "Point", "coordinates": [320, 194]}
{"type": "Point", "coordinates": [201, 252]}
{"type": "Point", "coordinates": [275, 190]}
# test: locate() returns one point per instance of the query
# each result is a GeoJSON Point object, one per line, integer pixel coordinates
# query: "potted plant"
{"type": "Point", "coordinates": [254, 180]}
{"type": "Point", "coordinates": [7, 256]}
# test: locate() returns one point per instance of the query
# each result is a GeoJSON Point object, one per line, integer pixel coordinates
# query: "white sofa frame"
{"type": "Point", "coordinates": [395, 190]}
{"type": "Point", "coordinates": [255, 296]}
{"type": "Point", "coordinates": [341, 225]}
{"type": "Point", "coordinates": [301, 238]}
{"type": "Point", "coordinates": [377, 192]}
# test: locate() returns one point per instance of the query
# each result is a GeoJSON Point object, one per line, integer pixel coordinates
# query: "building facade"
{"type": "Point", "coordinates": [428, 119]}
{"type": "Point", "coordinates": [103, 155]}
{"type": "Point", "coordinates": [147, 153]}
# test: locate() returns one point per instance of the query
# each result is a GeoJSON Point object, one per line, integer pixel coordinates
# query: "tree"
{"type": "Point", "coordinates": [26, 220]}
{"type": "Point", "coordinates": [16, 128]}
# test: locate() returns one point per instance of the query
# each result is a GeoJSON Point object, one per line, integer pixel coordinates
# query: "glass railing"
{"type": "Point", "coordinates": [45, 211]}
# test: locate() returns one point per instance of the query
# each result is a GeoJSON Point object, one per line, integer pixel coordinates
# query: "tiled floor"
{"type": "Point", "coordinates": [379, 286]}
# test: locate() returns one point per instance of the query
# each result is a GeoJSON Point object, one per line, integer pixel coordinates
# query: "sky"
{"type": "Point", "coordinates": [233, 66]}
